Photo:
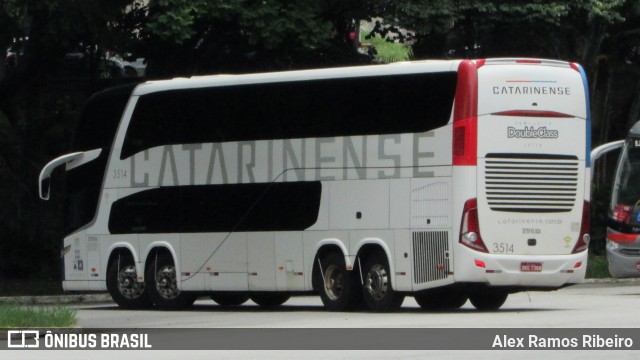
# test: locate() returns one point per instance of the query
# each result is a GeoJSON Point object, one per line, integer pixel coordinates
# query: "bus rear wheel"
{"type": "Point", "coordinates": [269, 299]}
{"type": "Point", "coordinates": [441, 299]}
{"type": "Point", "coordinates": [339, 289]}
{"type": "Point", "coordinates": [123, 285]}
{"type": "Point", "coordinates": [488, 299]}
{"type": "Point", "coordinates": [163, 285]}
{"type": "Point", "coordinates": [377, 290]}
{"type": "Point", "coordinates": [230, 299]}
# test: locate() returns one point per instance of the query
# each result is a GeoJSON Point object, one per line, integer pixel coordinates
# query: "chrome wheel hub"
{"type": "Point", "coordinates": [128, 285]}
{"type": "Point", "coordinates": [166, 283]}
{"type": "Point", "coordinates": [377, 282]}
{"type": "Point", "coordinates": [333, 282]}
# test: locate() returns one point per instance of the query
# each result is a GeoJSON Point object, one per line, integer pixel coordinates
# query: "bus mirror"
{"type": "Point", "coordinates": [603, 149]}
{"type": "Point", "coordinates": [71, 160]}
{"type": "Point", "coordinates": [45, 187]}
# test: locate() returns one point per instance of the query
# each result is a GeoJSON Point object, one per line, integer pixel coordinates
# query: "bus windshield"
{"type": "Point", "coordinates": [625, 199]}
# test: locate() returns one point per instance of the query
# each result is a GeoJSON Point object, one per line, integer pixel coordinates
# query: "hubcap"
{"type": "Point", "coordinates": [128, 285]}
{"type": "Point", "coordinates": [333, 282]}
{"type": "Point", "coordinates": [377, 282]}
{"type": "Point", "coordinates": [166, 283]}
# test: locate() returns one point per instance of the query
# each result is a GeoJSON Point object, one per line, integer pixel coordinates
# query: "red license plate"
{"type": "Point", "coordinates": [531, 267]}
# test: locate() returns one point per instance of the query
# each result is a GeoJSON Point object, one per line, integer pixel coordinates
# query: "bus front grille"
{"type": "Point", "coordinates": [531, 182]}
{"type": "Point", "coordinates": [430, 256]}
{"type": "Point", "coordinates": [630, 252]}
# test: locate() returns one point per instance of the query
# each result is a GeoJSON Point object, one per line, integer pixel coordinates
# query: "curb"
{"type": "Point", "coordinates": [58, 299]}
{"type": "Point", "coordinates": [629, 281]}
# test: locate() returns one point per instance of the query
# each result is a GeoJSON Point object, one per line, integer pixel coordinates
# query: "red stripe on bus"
{"type": "Point", "coordinates": [622, 238]}
{"type": "Point", "coordinates": [465, 112]}
{"type": "Point", "coordinates": [533, 113]}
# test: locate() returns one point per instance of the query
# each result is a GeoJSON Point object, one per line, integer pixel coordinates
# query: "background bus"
{"type": "Point", "coordinates": [443, 180]}
{"type": "Point", "coordinates": [623, 230]}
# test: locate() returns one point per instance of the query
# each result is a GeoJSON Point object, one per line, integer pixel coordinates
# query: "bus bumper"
{"type": "Point", "coordinates": [623, 259]}
{"type": "Point", "coordinates": [527, 271]}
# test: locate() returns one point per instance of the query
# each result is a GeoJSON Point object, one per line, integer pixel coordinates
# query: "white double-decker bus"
{"type": "Point", "coordinates": [442, 180]}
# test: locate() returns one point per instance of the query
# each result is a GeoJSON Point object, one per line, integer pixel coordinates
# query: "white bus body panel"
{"type": "Point", "coordinates": [513, 238]}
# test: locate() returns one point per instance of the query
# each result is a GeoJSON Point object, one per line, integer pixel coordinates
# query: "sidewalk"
{"type": "Point", "coordinates": [106, 298]}
{"type": "Point", "coordinates": [58, 299]}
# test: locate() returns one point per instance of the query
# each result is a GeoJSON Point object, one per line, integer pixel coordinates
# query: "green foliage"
{"type": "Point", "coordinates": [206, 36]}
{"type": "Point", "coordinates": [597, 267]}
{"type": "Point", "coordinates": [607, 11]}
{"type": "Point", "coordinates": [480, 28]}
{"type": "Point", "coordinates": [173, 20]}
{"type": "Point", "coordinates": [388, 52]}
{"type": "Point", "coordinates": [187, 37]}
{"type": "Point", "coordinates": [20, 316]}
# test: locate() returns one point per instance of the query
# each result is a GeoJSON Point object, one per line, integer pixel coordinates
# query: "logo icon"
{"type": "Point", "coordinates": [530, 132]}
{"type": "Point", "coordinates": [23, 339]}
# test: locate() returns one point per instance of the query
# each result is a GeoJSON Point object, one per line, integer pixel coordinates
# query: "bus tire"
{"type": "Point", "coordinates": [488, 299]}
{"type": "Point", "coordinates": [377, 290]}
{"type": "Point", "coordinates": [441, 299]}
{"type": "Point", "coordinates": [230, 299]}
{"type": "Point", "coordinates": [163, 285]}
{"type": "Point", "coordinates": [269, 299]}
{"type": "Point", "coordinates": [339, 289]}
{"type": "Point", "coordinates": [123, 285]}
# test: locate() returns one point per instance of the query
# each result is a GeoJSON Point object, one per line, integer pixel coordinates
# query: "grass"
{"type": "Point", "coordinates": [597, 267]}
{"type": "Point", "coordinates": [389, 52]}
{"type": "Point", "coordinates": [14, 315]}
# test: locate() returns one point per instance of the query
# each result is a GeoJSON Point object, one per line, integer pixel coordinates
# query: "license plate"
{"type": "Point", "coordinates": [531, 267]}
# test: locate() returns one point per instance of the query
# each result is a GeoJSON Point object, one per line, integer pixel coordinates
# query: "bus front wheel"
{"type": "Point", "coordinates": [163, 285]}
{"type": "Point", "coordinates": [488, 299]}
{"type": "Point", "coordinates": [123, 285]}
{"type": "Point", "coordinates": [377, 290]}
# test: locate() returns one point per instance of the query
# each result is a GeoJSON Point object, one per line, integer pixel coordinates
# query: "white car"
{"type": "Point", "coordinates": [130, 69]}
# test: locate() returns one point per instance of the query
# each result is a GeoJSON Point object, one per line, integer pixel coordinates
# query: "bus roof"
{"type": "Point", "coordinates": [399, 68]}
{"type": "Point", "coordinates": [298, 75]}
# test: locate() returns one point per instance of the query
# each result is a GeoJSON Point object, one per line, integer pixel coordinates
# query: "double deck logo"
{"type": "Point", "coordinates": [530, 132]}
{"type": "Point", "coordinates": [22, 339]}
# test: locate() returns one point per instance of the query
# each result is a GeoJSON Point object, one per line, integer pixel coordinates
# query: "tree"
{"type": "Point", "coordinates": [190, 37]}
{"type": "Point", "coordinates": [248, 35]}
{"type": "Point", "coordinates": [37, 115]}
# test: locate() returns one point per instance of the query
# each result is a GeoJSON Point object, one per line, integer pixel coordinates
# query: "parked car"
{"type": "Point", "coordinates": [136, 68]}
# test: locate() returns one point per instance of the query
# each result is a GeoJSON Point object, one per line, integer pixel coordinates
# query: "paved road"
{"type": "Point", "coordinates": [584, 306]}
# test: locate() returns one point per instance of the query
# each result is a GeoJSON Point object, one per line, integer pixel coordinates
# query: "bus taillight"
{"type": "Point", "coordinates": [465, 142]}
{"type": "Point", "coordinates": [528, 61]}
{"type": "Point", "coordinates": [584, 238]}
{"type": "Point", "coordinates": [470, 227]}
{"type": "Point", "coordinates": [533, 113]}
{"type": "Point", "coordinates": [465, 115]}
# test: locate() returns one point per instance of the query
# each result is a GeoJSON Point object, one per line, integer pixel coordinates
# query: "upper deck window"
{"type": "Point", "coordinates": [391, 104]}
